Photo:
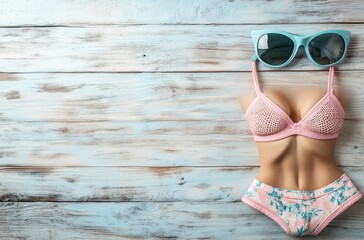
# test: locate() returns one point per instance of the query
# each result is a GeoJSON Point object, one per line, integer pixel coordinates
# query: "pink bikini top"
{"type": "Point", "coordinates": [268, 122]}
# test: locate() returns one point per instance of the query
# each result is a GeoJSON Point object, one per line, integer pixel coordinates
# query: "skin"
{"type": "Point", "coordinates": [297, 162]}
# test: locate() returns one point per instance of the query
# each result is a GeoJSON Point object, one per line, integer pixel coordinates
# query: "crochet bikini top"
{"type": "Point", "coordinates": [268, 122]}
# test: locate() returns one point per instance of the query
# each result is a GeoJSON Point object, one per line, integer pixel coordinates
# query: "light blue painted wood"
{"type": "Point", "coordinates": [148, 119]}
{"type": "Point", "coordinates": [83, 12]}
{"type": "Point", "coordinates": [146, 48]}
{"type": "Point", "coordinates": [133, 183]}
{"type": "Point", "coordinates": [155, 220]}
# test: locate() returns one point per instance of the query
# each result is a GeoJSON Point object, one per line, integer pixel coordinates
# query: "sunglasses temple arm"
{"type": "Point", "coordinates": [254, 58]}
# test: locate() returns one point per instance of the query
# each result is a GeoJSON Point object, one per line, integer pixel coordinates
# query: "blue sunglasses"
{"type": "Point", "coordinates": [276, 48]}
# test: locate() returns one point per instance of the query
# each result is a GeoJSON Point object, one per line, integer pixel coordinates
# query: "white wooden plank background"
{"type": "Point", "coordinates": [120, 119]}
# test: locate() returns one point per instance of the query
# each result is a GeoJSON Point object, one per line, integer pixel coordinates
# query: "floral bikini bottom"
{"type": "Point", "coordinates": [303, 212]}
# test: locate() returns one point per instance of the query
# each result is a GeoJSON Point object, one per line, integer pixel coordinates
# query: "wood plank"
{"type": "Point", "coordinates": [133, 183]}
{"type": "Point", "coordinates": [148, 143]}
{"type": "Point", "coordinates": [148, 119]}
{"type": "Point", "coordinates": [74, 12]}
{"type": "Point", "coordinates": [167, 48]}
{"type": "Point", "coordinates": [153, 96]}
{"type": "Point", "coordinates": [153, 220]}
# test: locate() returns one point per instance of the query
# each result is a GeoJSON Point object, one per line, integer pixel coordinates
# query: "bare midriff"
{"type": "Point", "coordinates": [298, 163]}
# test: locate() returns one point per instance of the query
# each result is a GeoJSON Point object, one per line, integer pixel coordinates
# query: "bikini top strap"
{"type": "Point", "coordinates": [330, 80]}
{"type": "Point", "coordinates": [255, 77]}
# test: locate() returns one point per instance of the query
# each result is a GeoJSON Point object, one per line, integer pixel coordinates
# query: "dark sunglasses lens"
{"type": "Point", "coordinates": [275, 49]}
{"type": "Point", "coordinates": [327, 48]}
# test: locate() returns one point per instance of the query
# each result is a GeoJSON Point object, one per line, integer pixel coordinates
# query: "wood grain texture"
{"type": "Point", "coordinates": [83, 12]}
{"type": "Point", "coordinates": [133, 183]}
{"type": "Point", "coordinates": [155, 220]}
{"type": "Point", "coordinates": [121, 120]}
{"type": "Point", "coordinates": [167, 48]}
{"type": "Point", "coordinates": [149, 119]}
{"type": "Point", "coordinates": [153, 96]}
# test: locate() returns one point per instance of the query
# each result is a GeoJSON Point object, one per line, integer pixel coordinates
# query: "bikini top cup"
{"type": "Point", "coordinates": [268, 122]}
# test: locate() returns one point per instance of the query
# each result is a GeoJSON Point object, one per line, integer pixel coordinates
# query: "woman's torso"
{"type": "Point", "coordinates": [297, 162]}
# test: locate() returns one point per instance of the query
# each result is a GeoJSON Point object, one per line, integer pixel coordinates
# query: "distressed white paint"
{"type": "Point", "coordinates": [145, 48]}
{"type": "Point", "coordinates": [83, 12]}
{"type": "Point", "coordinates": [133, 184]}
{"type": "Point", "coordinates": [156, 220]}
{"type": "Point", "coordinates": [149, 119]}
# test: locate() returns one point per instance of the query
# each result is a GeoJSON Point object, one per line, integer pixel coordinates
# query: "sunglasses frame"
{"type": "Point", "coordinates": [298, 40]}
